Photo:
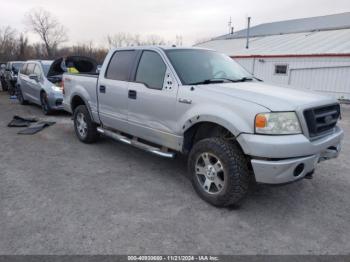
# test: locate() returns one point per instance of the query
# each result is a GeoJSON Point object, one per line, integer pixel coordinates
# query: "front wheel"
{"type": "Point", "coordinates": [20, 96]}
{"type": "Point", "coordinates": [45, 106]}
{"type": "Point", "coordinates": [219, 171]}
{"type": "Point", "coordinates": [85, 128]}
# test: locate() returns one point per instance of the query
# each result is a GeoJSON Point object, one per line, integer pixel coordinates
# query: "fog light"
{"type": "Point", "coordinates": [299, 169]}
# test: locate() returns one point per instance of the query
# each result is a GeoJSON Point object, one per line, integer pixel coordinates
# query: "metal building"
{"type": "Point", "coordinates": [311, 53]}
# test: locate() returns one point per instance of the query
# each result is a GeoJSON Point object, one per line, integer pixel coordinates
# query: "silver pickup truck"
{"type": "Point", "coordinates": [234, 128]}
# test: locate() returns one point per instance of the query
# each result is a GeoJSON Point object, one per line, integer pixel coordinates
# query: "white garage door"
{"type": "Point", "coordinates": [334, 81]}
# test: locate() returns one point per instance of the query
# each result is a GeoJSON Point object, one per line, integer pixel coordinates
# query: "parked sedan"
{"type": "Point", "coordinates": [35, 86]}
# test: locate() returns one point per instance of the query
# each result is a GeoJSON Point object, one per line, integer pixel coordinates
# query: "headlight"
{"type": "Point", "coordinates": [57, 88]}
{"type": "Point", "coordinates": [277, 123]}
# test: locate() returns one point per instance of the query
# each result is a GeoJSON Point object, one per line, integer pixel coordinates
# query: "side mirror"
{"type": "Point", "coordinates": [34, 77]}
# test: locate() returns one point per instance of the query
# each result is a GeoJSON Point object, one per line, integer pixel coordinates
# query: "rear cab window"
{"type": "Point", "coordinates": [120, 65]}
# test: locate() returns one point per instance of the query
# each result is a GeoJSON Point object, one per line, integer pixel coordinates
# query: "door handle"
{"type": "Point", "coordinates": [132, 94]}
{"type": "Point", "coordinates": [185, 101]}
{"type": "Point", "coordinates": [102, 89]}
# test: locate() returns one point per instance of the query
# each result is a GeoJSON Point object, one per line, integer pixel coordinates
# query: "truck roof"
{"type": "Point", "coordinates": [156, 47]}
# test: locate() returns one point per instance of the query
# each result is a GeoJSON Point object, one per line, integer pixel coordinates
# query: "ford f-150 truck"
{"type": "Point", "coordinates": [234, 128]}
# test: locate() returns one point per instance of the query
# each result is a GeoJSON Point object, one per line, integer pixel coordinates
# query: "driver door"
{"type": "Point", "coordinates": [152, 101]}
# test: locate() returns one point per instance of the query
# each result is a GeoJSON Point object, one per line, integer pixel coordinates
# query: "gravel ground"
{"type": "Point", "coordinates": [59, 196]}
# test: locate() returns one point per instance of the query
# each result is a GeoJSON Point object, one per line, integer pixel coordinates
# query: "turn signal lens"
{"type": "Point", "coordinates": [260, 121]}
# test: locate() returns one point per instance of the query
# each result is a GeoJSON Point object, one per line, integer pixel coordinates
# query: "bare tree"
{"type": "Point", "coordinates": [8, 45]}
{"type": "Point", "coordinates": [125, 39]}
{"type": "Point", "coordinates": [48, 28]}
{"type": "Point", "coordinates": [23, 47]}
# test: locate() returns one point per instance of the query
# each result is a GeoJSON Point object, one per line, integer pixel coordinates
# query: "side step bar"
{"type": "Point", "coordinates": [133, 142]}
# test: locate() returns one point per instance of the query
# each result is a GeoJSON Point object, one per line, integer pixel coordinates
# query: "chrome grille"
{"type": "Point", "coordinates": [321, 120]}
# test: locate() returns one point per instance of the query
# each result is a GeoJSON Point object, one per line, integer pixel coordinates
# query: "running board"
{"type": "Point", "coordinates": [134, 142]}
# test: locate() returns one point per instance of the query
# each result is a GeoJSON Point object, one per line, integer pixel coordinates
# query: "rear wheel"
{"type": "Point", "coordinates": [219, 171]}
{"type": "Point", "coordinates": [85, 128]}
{"type": "Point", "coordinates": [45, 107]}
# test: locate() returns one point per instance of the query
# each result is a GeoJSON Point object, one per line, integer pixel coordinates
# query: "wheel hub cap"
{"type": "Point", "coordinates": [210, 173]}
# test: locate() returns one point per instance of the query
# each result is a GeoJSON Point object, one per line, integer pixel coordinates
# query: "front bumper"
{"type": "Point", "coordinates": [297, 156]}
{"type": "Point", "coordinates": [56, 101]}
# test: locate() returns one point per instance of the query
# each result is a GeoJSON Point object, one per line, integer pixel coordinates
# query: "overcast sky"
{"type": "Point", "coordinates": [89, 20]}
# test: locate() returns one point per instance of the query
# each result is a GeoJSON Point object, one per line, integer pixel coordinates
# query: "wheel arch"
{"type": "Point", "coordinates": [78, 100]}
{"type": "Point", "coordinates": [204, 129]}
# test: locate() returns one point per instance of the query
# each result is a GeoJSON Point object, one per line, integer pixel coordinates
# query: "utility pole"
{"type": "Point", "coordinates": [248, 32]}
{"type": "Point", "coordinates": [230, 25]}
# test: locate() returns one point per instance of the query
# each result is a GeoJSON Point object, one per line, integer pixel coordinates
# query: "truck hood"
{"type": "Point", "coordinates": [274, 98]}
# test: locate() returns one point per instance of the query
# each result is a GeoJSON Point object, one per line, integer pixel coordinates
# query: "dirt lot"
{"type": "Point", "coordinates": [59, 196]}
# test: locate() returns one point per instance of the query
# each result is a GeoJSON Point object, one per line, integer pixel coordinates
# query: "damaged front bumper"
{"type": "Point", "coordinates": [289, 170]}
{"type": "Point", "coordinates": [276, 159]}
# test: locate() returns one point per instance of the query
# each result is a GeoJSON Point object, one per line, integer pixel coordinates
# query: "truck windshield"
{"type": "Point", "coordinates": [195, 66]}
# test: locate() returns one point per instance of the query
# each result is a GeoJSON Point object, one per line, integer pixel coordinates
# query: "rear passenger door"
{"type": "Point", "coordinates": [152, 100]}
{"type": "Point", "coordinates": [112, 90]}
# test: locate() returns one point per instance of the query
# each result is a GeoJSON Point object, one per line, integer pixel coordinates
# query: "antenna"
{"type": "Point", "coordinates": [248, 32]}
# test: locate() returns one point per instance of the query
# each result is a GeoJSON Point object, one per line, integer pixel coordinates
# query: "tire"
{"type": "Point", "coordinates": [222, 166]}
{"type": "Point", "coordinates": [45, 107]}
{"type": "Point", "coordinates": [85, 128]}
{"type": "Point", "coordinates": [20, 97]}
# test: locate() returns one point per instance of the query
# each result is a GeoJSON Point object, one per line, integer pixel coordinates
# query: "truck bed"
{"type": "Point", "coordinates": [80, 84]}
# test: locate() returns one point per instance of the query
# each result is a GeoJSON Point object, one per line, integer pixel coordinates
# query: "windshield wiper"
{"type": "Point", "coordinates": [209, 81]}
{"type": "Point", "coordinates": [243, 79]}
{"type": "Point", "coordinates": [221, 80]}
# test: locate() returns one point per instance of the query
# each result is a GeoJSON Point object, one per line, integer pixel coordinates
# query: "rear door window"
{"type": "Point", "coordinates": [120, 65]}
{"type": "Point", "coordinates": [151, 70]}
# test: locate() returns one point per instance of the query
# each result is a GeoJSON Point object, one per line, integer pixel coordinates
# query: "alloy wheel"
{"type": "Point", "coordinates": [81, 125]}
{"type": "Point", "coordinates": [210, 173]}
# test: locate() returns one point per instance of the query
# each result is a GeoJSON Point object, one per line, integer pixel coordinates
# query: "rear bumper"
{"type": "Point", "coordinates": [299, 155]}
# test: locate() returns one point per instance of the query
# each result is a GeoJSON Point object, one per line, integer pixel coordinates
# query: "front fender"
{"type": "Point", "coordinates": [235, 122]}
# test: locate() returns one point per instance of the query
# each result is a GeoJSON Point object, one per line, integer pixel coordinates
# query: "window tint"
{"type": "Point", "coordinates": [30, 69]}
{"type": "Point", "coordinates": [16, 66]}
{"type": "Point", "coordinates": [151, 70]}
{"type": "Point", "coordinates": [24, 69]}
{"type": "Point", "coordinates": [281, 69]}
{"type": "Point", "coordinates": [37, 70]}
{"type": "Point", "coordinates": [120, 65]}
